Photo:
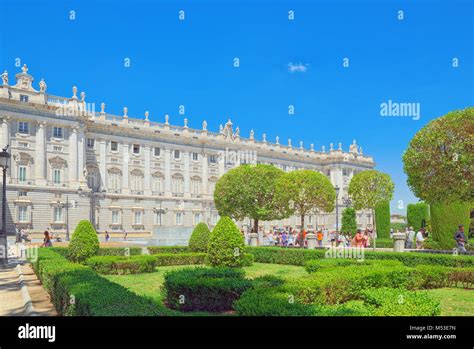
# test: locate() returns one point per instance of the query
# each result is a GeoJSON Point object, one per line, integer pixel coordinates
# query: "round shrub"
{"type": "Point", "coordinates": [204, 289]}
{"type": "Point", "coordinates": [199, 238]}
{"type": "Point", "coordinates": [84, 242]}
{"type": "Point", "coordinates": [226, 245]}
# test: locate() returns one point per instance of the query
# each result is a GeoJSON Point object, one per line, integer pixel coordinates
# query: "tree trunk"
{"type": "Point", "coordinates": [255, 226]}
{"type": "Point", "coordinates": [302, 229]}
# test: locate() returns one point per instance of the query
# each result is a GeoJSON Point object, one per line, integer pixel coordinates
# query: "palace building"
{"type": "Point", "coordinates": [69, 162]}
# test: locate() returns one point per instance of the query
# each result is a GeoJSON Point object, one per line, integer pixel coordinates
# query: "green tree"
{"type": "Point", "coordinates": [369, 189]}
{"type": "Point", "coordinates": [439, 161]}
{"type": "Point", "coordinates": [349, 223]}
{"type": "Point", "coordinates": [416, 213]}
{"type": "Point", "coordinates": [199, 238]}
{"type": "Point", "coordinates": [84, 242]}
{"type": "Point", "coordinates": [445, 219]}
{"type": "Point", "coordinates": [303, 191]}
{"type": "Point", "coordinates": [226, 245]}
{"type": "Point", "coordinates": [249, 191]}
{"type": "Point", "coordinates": [382, 219]}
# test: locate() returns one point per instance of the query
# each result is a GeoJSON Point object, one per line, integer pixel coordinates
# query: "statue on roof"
{"type": "Point", "coordinates": [228, 129]}
{"type": "Point", "coordinates": [43, 86]}
{"type": "Point", "coordinates": [353, 147]}
{"type": "Point", "coordinates": [24, 69]}
{"type": "Point", "coordinates": [5, 77]}
{"type": "Point", "coordinates": [204, 125]}
{"type": "Point", "coordinates": [237, 132]}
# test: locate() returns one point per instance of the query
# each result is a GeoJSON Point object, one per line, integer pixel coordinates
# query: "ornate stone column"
{"type": "Point", "coordinates": [187, 192]}
{"type": "Point", "coordinates": [205, 174]}
{"type": "Point", "coordinates": [125, 172]}
{"type": "Point", "coordinates": [103, 163]}
{"type": "Point", "coordinates": [81, 157]}
{"type": "Point", "coordinates": [147, 182]}
{"type": "Point", "coordinates": [73, 157]}
{"type": "Point", "coordinates": [40, 154]}
{"type": "Point", "coordinates": [167, 172]}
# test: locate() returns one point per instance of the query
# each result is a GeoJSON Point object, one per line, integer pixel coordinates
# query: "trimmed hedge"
{"type": "Point", "coordinates": [416, 213]}
{"type": "Point", "coordinates": [382, 220]}
{"type": "Point", "coordinates": [226, 245]}
{"type": "Point", "coordinates": [204, 289]}
{"type": "Point", "coordinates": [329, 263]}
{"type": "Point", "coordinates": [445, 219]}
{"type": "Point", "coordinates": [76, 290]}
{"type": "Point", "coordinates": [385, 243]}
{"type": "Point", "coordinates": [168, 249]}
{"type": "Point", "coordinates": [120, 251]}
{"type": "Point", "coordinates": [294, 256]}
{"type": "Point", "coordinates": [120, 265]}
{"type": "Point", "coordinates": [84, 242]}
{"type": "Point", "coordinates": [398, 302]}
{"type": "Point", "coordinates": [199, 238]}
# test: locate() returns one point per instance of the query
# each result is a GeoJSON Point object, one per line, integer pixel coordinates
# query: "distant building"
{"type": "Point", "coordinates": [397, 218]}
{"type": "Point", "coordinates": [70, 162]}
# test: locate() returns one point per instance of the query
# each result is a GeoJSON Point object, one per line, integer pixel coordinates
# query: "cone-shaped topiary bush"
{"type": "Point", "coordinates": [199, 238]}
{"type": "Point", "coordinates": [84, 242]}
{"type": "Point", "coordinates": [226, 245]}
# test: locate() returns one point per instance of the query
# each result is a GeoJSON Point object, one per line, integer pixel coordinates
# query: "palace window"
{"type": "Point", "coordinates": [57, 132]}
{"type": "Point", "coordinates": [158, 218]}
{"type": "Point", "coordinates": [24, 98]}
{"type": "Point", "coordinates": [178, 183]}
{"type": "Point", "coordinates": [22, 173]}
{"type": "Point", "coordinates": [196, 185]}
{"type": "Point", "coordinates": [23, 216]}
{"type": "Point", "coordinates": [57, 215]}
{"type": "Point", "coordinates": [178, 218]}
{"type": "Point", "coordinates": [215, 218]}
{"type": "Point", "coordinates": [157, 183]}
{"type": "Point", "coordinates": [212, 185]}
{"type": "Point", "coordinates": [137, 217]}
{"type": "Point", "coordinates": [212, 159]}
{"type": "Point", "coordinates": [113, 146]}
{"type": "Point", "coordinates": [115, 217]}
{"type": "Point", "coordinates": [197, 218]}
{"type": "Point", "coordinates": [136, 149]}
{"type": "Point", "coordinates": [157, 151]}
{"type": "Point", "coordinates": [195, 156]}
{"type": "Point", "coordinates": [90, 143]}
{"type": "Point", "coordinates": [136, 179]}
{"type": "Point", "coordinates": [115, 179]}
{"type": "Point", "coordinates": [176, 154]}
{"type": "Point", "coordinates": [23, 127]}
{"type": "Point", "coordinates": [22, 193]}
{"type": "Point", "coordinates": [56, 176]}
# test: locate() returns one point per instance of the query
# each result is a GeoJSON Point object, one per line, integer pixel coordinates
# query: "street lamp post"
{"type": "Point", "coordinates": [4, 164]}
{"type": "Point", "coordinates": [337, 207]}
{"type": "Point", "coordinates": [93, 196]}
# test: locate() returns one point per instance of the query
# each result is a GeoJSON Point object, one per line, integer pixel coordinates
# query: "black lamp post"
{"type": "Point", "coordinates": [337, 207]}
{"type": "Point", "coordinates": [4, 164]}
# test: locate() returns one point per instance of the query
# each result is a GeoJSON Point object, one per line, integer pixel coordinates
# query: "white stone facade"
{"type": "Point", "coordinates": [70, 163]}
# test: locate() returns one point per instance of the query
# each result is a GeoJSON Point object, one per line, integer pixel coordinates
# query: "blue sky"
{"type": "Point", "coordinates": [191, 63]}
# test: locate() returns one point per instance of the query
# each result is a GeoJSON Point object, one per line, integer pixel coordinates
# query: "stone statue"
{"type": "Point", "coordinates": [277, 139]}
{"type": "Point", "coordinates": [167, 119]}
{"type": "Point", "coordinates": [204, 125]}
{"type": "Point", "coordinates": [147, 114]}
{"type": "Point", "coordinates": [331, 147]}
{"type": "Point", "coordinates": [74, 92]}
{"type": "Point", "coordinates": [125, 111]}
{"type": "Point", "coordinates": [102, 108]}
{"type": "Point", "coordinates": [289, 142]}
{"type": "Point", "coordinates": [339, 146]}
{"type": "Point", "coordinates": [353, 147]}
{"type": "Point", "coordinates": [237, 132]}
{"type": "Point", "coordinates": [5, 78]}
{"type": "Point", "coordinates": [185, 122]}
{"type": "Point", "coordinates": [24, 69]}
{"type": "Point", "coordinates": [83, 96]}
{"type": "Point", "coordinates": [360, 150]}
{"type": "Point", "coordinates": [252, 134]}
{"type": "Point", "coordinates": [301, 144]}
{"type": "Point", "coordinates": [42, 86]}
{"type": "Point", "coordinates": [264, 138]}
{"type": "Point", "coordinates": [221, 129]}
{"type": "Point", "coordinates": [323, 149]}
{"type": "Point", "coordinates": [311, 147]}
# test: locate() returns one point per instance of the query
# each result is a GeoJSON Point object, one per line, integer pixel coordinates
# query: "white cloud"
{"type": "Point", "coordinates": [298, 67]}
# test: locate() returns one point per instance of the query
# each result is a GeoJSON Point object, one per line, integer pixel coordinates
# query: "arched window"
{"type": "Point", "coordinates": [157, 183]}
{"type": "Point", "coordinates": [115, 179]}
{"type": "Point", "coordinates": [177, 184]}
{"type": "Point", "coordinates": [136, 181]}
{"type": "Point", "coordinates": [57, 169]}
{"type": "Point", "coordinates": [212, 185]}
{"type": "Point", "coordinates": [93, 177]}
{"type": "Point", "coordinates": [196, 185]}
{"type": "Point", "coordinates": [24, 165]}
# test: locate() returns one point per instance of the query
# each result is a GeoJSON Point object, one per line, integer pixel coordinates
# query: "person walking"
{"type": "Point", "coordinates": [46, 240]}
{"type": "Point", "coordinates": [319, 237]}
{"type": "Point", "coordinates": [410, 238]}
{"type": "Point", "coordinates": [460, 239]}
{"type": "Point", "coordinates": [358, 240]}
{"type": "Point", "coordinates": [107, 236]}
{"type": "Point", "coordinates": [420, 238]}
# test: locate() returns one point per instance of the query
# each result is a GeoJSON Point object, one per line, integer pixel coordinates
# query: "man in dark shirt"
{"type": "Point", "coordinates": [460, 239]}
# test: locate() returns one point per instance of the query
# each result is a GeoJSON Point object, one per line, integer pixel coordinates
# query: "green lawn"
{"type": "Point", "coordinates": [149, 284]}
{"type": "Point", "coordinates": [454, 301]}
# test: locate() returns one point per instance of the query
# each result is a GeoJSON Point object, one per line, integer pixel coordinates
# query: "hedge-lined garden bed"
{"type": "Point", "coordinates": [142, 264]}
{"type": "Point", "coordinates": [76, 290]}
{"type": "Point", "coordinates": [294, 256]}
